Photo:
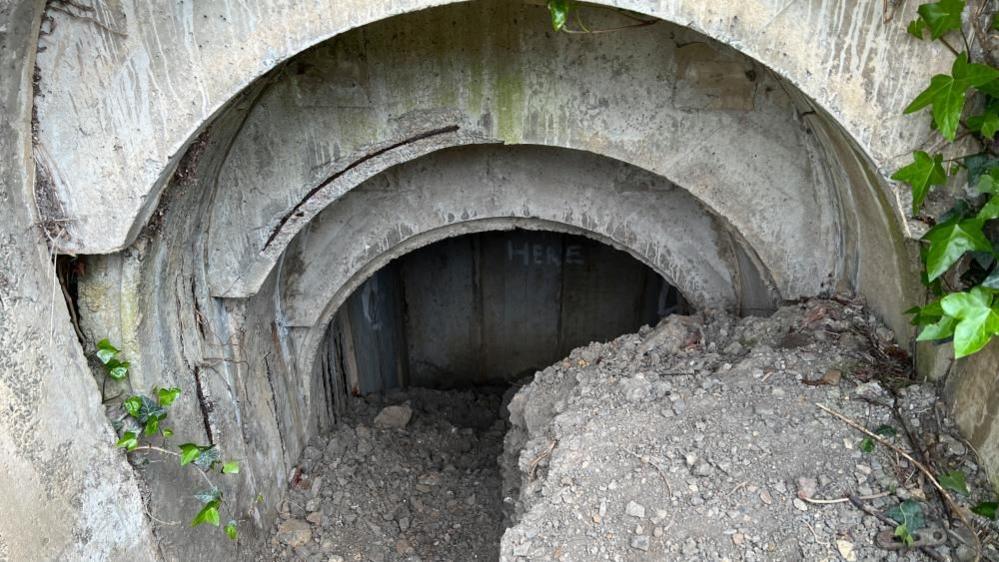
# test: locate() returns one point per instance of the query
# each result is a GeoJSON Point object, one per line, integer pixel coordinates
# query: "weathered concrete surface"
{"type": "Point", "coordinates": [68, 494]}
{"type": "Point", "coordinates": [448, 192]}
{"type": "Point", "coordinates": [127, 86]}
{"type": "Point", "coordinates": [399, 89]}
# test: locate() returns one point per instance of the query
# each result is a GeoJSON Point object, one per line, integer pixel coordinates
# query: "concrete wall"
{"type": "Point", "coordinates": [67, 493]}
{"type": "Point", "coordinates": [180, 63]}
{"type": "Point", "coordinates": [493, 307]}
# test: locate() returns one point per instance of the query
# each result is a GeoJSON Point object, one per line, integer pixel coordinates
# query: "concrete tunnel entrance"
{"type": "Point", "coordinates": [419, 362]}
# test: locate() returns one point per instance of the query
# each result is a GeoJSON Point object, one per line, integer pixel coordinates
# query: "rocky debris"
{"type": "Point", "coordinates": [393, 417]}
{"type": "Point", "coordinates": [411, 477]}
{"type": "Point", "coordinates": [701, 440]}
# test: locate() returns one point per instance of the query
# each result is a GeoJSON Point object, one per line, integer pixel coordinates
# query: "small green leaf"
{"type": "Point", "coordinates": [987, 123]}
{"type": "Point", "coordinates": [207, 457]}
{"type": "Point", "coordinates": [942, 329]}
{"type": "Point", "coordinates": [259, 498]}
{"type": "Point", "coordinates": [106, 351]}
{"type": "Point", "coordinates": [867, 445]}
{"type": "Point", "coordinates": [116, 369]}
{"type": "Point", "coordinates": [167, 432]}
{"type": "Point", "coordinates": [986, 509]}
{"type": "Point", "coordinates": [916, 28]}
{"type": "Point", "coordinates": [230, 530]}
{"type": "Point", "coordinates": [206, 496]}
{"type": "Point", "coordinates": [942, 17]}
{"type": "Point", "coordinates": [189, 452]}
{"type": "Point", "coordinates": [208, 514]}
{"type": "Point", "coordinates": [990, 211]}
{"type": "Point", "coordinates": [928, 314]}
{"type": "Point", "coordinates": [924, 172]}
{"type": "Point", "coordinates": [949, 241]}
{"type": "Point", "coordinates": [129, 441]}
{"type": "Point", "coordinates": [231, 467]}
{"type": "Point", "coordinates": [167, 396]}
{"type": "Point", "coordinates": [955, 482]}
{"type": "Point", "coordinates": [902, 532]}
{"type": "Point", "coordinates": [995, 21]}
{"type": "Point", "coordinates": [133, 405]}
{"type": "Point", "coordinates": [886, 431]}
{"type": "Point", "coordinates": [992, 281]}
{"type": "Point", "coordinates": [977, 320]}
{"type": "Point", "coordinates": [559, 10]}
{"type": "Point", "coordinates": [908, 513]}
{"type": "Point", "coordinates": [152, 426]}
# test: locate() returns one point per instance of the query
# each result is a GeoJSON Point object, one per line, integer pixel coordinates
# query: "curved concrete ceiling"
{"type": "Point", "coordinates": [122, 94]}
{"type": "Point", "coordinates": [700, 114]}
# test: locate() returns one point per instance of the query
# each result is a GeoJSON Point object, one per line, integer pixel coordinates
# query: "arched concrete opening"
{"type": "Point", "coordinates": [694, 159]}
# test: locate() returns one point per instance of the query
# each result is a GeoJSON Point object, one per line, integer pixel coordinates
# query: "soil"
{"type": "Point", "coordinates": [378, 489]}
{"type": "Point", "coordinates": [699, 440]}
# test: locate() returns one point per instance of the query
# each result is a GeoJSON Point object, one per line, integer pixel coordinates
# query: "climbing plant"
{"type": "Point", "coordinates": [144, 414]}
{"type": "Point", "coordinates": [959, 252]}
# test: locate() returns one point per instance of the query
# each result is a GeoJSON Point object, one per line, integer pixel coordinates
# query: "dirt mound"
{"type": "Point", "coordinates": [701, 440]}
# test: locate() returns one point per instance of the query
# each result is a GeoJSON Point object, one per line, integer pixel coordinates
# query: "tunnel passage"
{"type": "Point", "coordinates": [489, 308]}
{"type": "Point", "coordinates": [418, 363]}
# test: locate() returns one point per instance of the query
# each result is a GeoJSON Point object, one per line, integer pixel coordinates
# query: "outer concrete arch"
{"type": "Point", "coordinates": [695, 112]}
{"type": "Point", "coordinates": [168, 59]}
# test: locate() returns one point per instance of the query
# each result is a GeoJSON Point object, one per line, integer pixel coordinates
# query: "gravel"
{"type": "Point", "coordinates": [698, 440]}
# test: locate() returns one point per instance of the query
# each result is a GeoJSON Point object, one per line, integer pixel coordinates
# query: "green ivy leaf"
{"type": "Point", "coordinates": [949, 241]}
{"type": "Point", "coordinates": [977, 320]}
{"type": "Point", "coordinates": [167, 396]}
{"type": "Point", "coordinates": [916, 28]}
{"type": "Point", "coordinates": [152, 426]}
{"type": "Point", "coordinates": [206, 496]}
{"type": "Point", "coordinates": [867, 445]}
{"type": "Point", "coordinates": [924, 172]}
{"type": "Point", "coordinates": [167, 433]}
{"type": "Point", "coordinates": [133, 405]}
{"type": "Point", "coordinates": [995, 21]}
{"type": "Point", "coordinates": [116, 369]}
{"type": "Point", "coordinates": [106, 351]}
{"type": "Point", "coordinates": [989, 182]}
{"type": "Point", "coordinates": [955, 482]}
{"type": "Point", "coordinates": [189, 452]}
{"type": "Point", "coordinates": [927, 314]}
{"type": "Point", "coordinates": [942, 17]}
{"type": "Point", "coordinates": [942, 329]}
{"type": "Point", "coordinates": [986, 124]}
{"type": "Point", "coordinates": [990, 210]}
{"type": "Point", "coordinates": [208, 514]}
{"type": "Point", "coordinates": [986, 509]}
{"type": "Point", "coordinates": [231, 467]}
{"type": "Point", "coordinates": [208, 457]}
{"type": "Point", "coordinates": [230, 530]}
{"type": "Point", "coordinates": [559, 10]}
{"type": "Point", "coordinates": [886, 431]}
{"type": "Point", "coordinates": [908, 513]}
{"type": "Point", "coordinates": [947, 93]}
{"type": "Point", "coordinates": [129, 441]}
{"type": "Point", "coordinates": [992, 281]}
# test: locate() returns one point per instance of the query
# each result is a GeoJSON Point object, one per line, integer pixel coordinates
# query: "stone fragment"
{"type": "Point", "coordinates": [294, 533]}
{"type": "Point", "coordinates": [845, 549]}
{"type": "Point", "coordinates": [393, 417]}
{"type": "Point", "coordinates": [640, 542]}
{"type": "Point", "coordinates": [635, 510]}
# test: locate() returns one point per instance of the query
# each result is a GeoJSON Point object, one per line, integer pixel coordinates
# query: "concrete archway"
{"type": "Point", "coordinates": [742, 180]}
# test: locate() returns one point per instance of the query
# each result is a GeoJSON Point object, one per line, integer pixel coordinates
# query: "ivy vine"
{"type": "Point", "coordinates": [959, 252]}
{"type": "Point", "coordinates": [144, 415]}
